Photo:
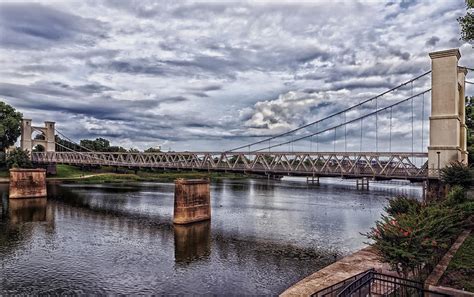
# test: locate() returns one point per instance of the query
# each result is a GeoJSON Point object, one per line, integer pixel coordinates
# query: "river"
{"type": "Point", "coordinates": [103, 239]}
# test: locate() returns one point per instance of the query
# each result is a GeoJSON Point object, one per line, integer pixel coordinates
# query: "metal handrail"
{"type": "Point", "coordinates": [335, 288]}
{"type": "Point", "coordinates": [380, 284]}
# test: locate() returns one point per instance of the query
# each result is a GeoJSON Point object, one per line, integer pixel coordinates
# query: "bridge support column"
{"type": "Point", "coordinates": [27, 183]}
{"type": "Point", "coordinates": [362, 183]}
{"type": "Point", "coordinates": [434, 189]}
{"type": "Point", "coordinates": [192, 201]}
{"type": "Point", "coordinates": [448, 141]}
{"type": "Point", "coordinates": [314, 180]}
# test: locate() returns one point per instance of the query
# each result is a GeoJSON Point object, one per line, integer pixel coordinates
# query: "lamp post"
{"type": "Point", "coordinates": [438, 153]}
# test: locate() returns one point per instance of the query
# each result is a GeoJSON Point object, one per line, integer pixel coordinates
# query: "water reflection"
{"type": "Point", "coordinates": [192, 241]}
{"type": "Point", "coordinates": [29, 210]}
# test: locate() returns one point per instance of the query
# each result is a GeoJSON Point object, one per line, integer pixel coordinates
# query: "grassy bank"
{"type": "Point", "coordinates": [4, 173]}
{"type": "Point", "coordinates": [460, 271]}
{"type": "Point", "coordinates": [108, 175]}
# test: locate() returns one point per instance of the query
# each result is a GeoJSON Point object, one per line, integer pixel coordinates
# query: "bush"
{"type": "Point", "coordinates": [413, 240]}
{"type": "Point", "coordinates": [456, 195]}
{"type": "Point", "coordinates": [18, 158]}
{"type": "Point", "coordinates": [401, 205]}
{"type": "Point", "coordinates": [456, 174]}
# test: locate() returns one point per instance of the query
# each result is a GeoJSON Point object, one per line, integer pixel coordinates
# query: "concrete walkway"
{"type": "Point", "coordinates": [346, 267]}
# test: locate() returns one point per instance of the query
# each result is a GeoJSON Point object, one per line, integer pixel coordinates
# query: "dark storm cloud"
{"type": "Point", "coordinates": [44, 68]}
{"type": "Point", "coordinates": [137, 66]}
{"type": "Point", "coordinates": [34, 26]}
{"type": "Point", "coordinates": [432, 41]}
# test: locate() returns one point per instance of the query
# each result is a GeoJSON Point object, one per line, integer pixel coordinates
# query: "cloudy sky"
{"type": "Point", "coordinates": [211, 76]}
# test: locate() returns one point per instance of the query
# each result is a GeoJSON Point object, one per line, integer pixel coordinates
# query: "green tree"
{"type": "Point", "coordinates": [10, 125]}
{"type": "Point", "coordinates": [117, 149]}
{"type": "Point", "coordinates": [153, 150]}
{"type": "Point", "coordinates": [18, 158]}
{"type": "Point", "coordinates": [467, 22]}
{"type": "Point", "coordinates": [98, 145]}
{"type": "Point", "coordinates": [470, 127]}
{"type": "Point", "coordinates": [410, 241]}
{"type": "Point", "coordinates": [456, 174]}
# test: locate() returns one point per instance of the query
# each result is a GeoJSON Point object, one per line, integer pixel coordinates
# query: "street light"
{"type": "Point", "coordinates": [438, 160]}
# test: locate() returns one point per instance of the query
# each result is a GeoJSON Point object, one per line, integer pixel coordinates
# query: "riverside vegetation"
{"type": "Point", "coordinates": [72, 174]}
{"type": "Point", "coordinates": [413, 236]}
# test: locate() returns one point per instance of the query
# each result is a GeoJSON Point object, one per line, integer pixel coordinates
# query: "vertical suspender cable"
{"type": "Point", "coordinates": [345, 133]}
{"type": "Point", "coordinates": [334, 142]}
{"type": "Point", "coordinates": [360, 146]}
{"type": "Point", "coordinates": [317, 138]}
{"type": "Point", "coordinates": [390, 141]}
{"type": "Point", "coordinates": [376, 125]}
{"type": "Point", "coordinates": [412, 128]}
{"type": "Point", "coordinates": [422, 122]}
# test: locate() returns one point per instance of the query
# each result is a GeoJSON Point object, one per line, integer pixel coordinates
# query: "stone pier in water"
{"type": "Point", "coordinates": [192, 201]}
{"type": "Point", "coordinates": [27, 183]}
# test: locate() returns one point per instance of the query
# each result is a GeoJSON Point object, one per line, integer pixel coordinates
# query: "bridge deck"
{"type": "Point", "coordinates": [401, 165]}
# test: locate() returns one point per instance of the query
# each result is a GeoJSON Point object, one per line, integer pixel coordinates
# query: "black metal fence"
{"type": "Point", "coordinates": [372, 283]}
{"type": "Point", "coordinates": [333, 290]}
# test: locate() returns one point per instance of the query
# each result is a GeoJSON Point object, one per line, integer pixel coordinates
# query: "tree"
{"type": "Point", "coordinates": [456, 174]}
{"type": "Point", "coordinates": [470, 127]}
{"type": "Point", "coordinates": [10, 125]}
{"type": "Point", "coordinates": [467, 23]}
{"type": "Point", "coordinates": [98, 145]}
{"type": "Point", "coordinates": [409, 241]}
{"type": "Point", "coordinates": [18, 158]}
{"type": "Point", "coordinates": [117, 149]}
{"type": "Point", "coordinates": [153, 150]}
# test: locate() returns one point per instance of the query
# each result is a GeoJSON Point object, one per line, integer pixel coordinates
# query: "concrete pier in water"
{"type": "Point", "coordinates": [27, 183]}
{"type": "Point", "coordinates": [192, 201]}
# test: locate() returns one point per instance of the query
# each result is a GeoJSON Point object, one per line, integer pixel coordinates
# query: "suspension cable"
{"type": "Point", "coordinates": [390, 141]}
{"type": "Point", "coordinates": [348, 122]}
{"type": "Point", "coordinates": [330, 116]}
{"type": "Point", "coordinates": [72, 141]}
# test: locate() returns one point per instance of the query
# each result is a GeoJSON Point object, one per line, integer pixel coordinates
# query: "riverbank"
{"type": "Point", "coordinates": [72, 174]}
{"type": "Point", "coordinates": [345, 268]}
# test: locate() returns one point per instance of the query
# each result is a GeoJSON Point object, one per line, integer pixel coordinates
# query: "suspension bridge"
{"type": "Point", "coordinates": [410, 131]}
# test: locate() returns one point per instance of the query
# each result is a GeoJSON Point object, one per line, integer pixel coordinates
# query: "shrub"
{"type": "Point", "coordinates": [456, 174]}
{"type": "Point", "coordinates": [456, 195]}
{"type": "Point", "coordinates": [401, 205]}
{"type": "Point", "coordinates": [410, 241]}
{"type": "Point", "coordinates": [18, 158]}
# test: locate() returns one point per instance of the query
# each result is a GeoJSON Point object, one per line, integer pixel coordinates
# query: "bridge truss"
{"type": "Point", "coordinates": [335, 164]}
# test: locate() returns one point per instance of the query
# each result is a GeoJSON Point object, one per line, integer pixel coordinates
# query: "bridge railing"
{"type": "Point", "coordinates": [383, 165]}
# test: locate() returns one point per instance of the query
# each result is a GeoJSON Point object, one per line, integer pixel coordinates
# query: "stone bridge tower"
{"type": "Point", "coordinates": [48, 132]}
{"type": "Point", "coordinates": [448, 132]}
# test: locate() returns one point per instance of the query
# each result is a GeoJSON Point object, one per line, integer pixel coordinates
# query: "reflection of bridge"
{"type": "Point", "coordinates": [389, 124]}
{"type": "Point", "coordinates": [379, 165]}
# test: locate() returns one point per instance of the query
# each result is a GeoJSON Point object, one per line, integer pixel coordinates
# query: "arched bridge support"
{"type": "Point", "coordinates": [48, 132]}
{"type": "Point", "coordinates": [448, 141]}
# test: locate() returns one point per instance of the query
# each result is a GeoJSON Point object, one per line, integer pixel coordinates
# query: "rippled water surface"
{"type": "Point", "coordinates": [263, 237]}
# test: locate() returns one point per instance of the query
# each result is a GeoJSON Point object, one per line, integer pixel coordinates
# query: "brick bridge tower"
{"type": "Point", "coordinates": [448, 132]}
{"type": "Point", "coordinates": [47, 141]}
